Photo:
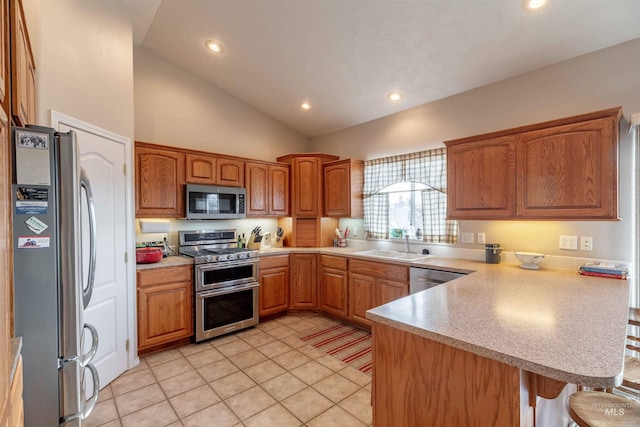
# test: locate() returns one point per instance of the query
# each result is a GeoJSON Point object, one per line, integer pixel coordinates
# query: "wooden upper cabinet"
{"type": "Point", "coordinates": [214, 170]}
{"type": "Point", "coordinates": [22, 68]}
{"type": "Point", "coordinates": [278, 190]}
{"type": "Point", "coordinates": [306, 183]}
{"type": "Point", "coordinates": [267, 189]}
{"type": "Point", "coordinates": [343, 185]}
{"type": "Point", "coordinates": [569, 170]}
{"type": "Point", "coordinates": [230, 172]}
{"type": "Point", "coordinates": [4, 53]}
{"type": "Point", "coordinates": [307, 187]}
{"type": "Point", "coordinates": [6, 264]}
{"type": "Point", "coordinates": [481, 179]}
{"type": "Point", "coordinates": [257, 180]}
{"type": "Point", "coordinates": [200, 169]}
{"type": "Point", "coordinates": [159, 182]}
{"type": "Point", "coordinates": [563, 169]}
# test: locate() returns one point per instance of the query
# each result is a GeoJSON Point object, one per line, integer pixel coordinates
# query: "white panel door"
{"type": "Point", "coordinates": [103, 160]}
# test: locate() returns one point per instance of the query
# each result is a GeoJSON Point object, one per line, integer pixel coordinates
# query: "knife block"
{"type": "Point", "coordinates": [251, 243]}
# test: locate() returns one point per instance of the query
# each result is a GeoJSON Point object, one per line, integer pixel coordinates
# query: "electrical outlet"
{"type": "Point", "coordinates": [466, 237]}
{"type": "Point", "coordinates": [569, 242]}
{"type": "Point", "coordinates": [480, 239]}
{"type": "Point", "coordinates": [586, 243]}
{"type": "Point", "coordinates": [355, 231]}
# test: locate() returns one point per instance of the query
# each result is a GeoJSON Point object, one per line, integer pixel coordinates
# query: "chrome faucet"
{"type": "Point", "coordinates": [406, 239]}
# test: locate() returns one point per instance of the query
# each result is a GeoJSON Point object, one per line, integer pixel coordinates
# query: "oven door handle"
{"type": "Point", "coordinates": [227, 290]}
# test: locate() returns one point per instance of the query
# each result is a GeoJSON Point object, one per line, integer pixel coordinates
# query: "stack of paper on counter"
{"type": "Point", "coordinates": [603, 269]}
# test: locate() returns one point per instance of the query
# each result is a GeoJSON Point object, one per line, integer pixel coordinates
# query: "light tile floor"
{"type": "Point", "coordinates": [259, 377]}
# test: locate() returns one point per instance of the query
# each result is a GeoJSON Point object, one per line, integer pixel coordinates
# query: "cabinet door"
{"type": "Point", "coordinates": [306, 187]}
{"type": "Point", "coordinates": [159, 183]}
{"type": "Point", "coordinates": [257, 180]}
{"type": "Point", "coordinates": [200, 169]}
{"type": "Point", "coordinates": [4, 52]}
{"type": "Point", "coordinates": [304, 279]}
{"type": "Point", "coordinates": [387, 291]}
{"type": "Point", "coordinates": [568, 171]}
{"type": "Point", "coordinates": [6, 259]}
{"type": "Point", "coordinates": [22, 68]}
{"type": "Point", "coordinates": [274, 290]}
{"type": "Point", "coordinates": [336, 190]}
{"type": "Point", "coordinates": [165, 306]}
{"type": "Point", "coordinates": [333, 291]}
{"type": "Point", "coordinates": [361, 297]}
{"type": "Point", "coordinates": [278, 190]}
{"type": "Point", "coordinates": [481, 179]}
{"type": "Point", "coordinates": [230, 172]}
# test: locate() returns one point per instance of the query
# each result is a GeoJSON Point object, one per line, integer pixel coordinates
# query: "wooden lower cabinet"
{"type": "Point", "coordinates": [372, 284]}
{"type": "Point", "coordinates": [420, 382]}
{"type": "Point", "coordinates": [360, 297]}
{"type": "Point", "coordinates": [16, 401]}
{"type": "Point", "coordinates": [304, 280]}
{"type": "Point", "coordinates": [165, 307]}
{"type": "Point", "coordinates": [342, 287]}
{"type": "Point", "coordinates": [274, 285]}
{"type": "Point", "coordinates": [332, 289]}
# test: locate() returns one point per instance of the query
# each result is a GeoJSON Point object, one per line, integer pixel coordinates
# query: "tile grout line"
{"type": "Point", "coordinates": [242, 336]}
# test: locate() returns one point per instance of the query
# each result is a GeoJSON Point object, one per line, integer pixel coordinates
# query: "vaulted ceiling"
{"type": "Point", "coordinates": [345, 56]}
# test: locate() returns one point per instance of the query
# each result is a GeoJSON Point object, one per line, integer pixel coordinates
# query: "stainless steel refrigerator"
{"type": "Point", "coordinates": [51, 194]}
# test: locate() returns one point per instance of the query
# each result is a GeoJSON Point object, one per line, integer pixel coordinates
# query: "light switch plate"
{"type": "Point", "coordinates": [466, 237]}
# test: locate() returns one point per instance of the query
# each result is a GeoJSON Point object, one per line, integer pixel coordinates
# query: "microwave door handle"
{"type": "Point", "coordinates": [88, 290]}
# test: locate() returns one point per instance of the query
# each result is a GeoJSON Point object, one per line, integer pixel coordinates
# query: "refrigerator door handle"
{"type": "Point", "coordinates": [91, 402]}
{"type": "Point", "coordinates": [87, 357]}
{"type": "Point", "coordinates": [88, 290]}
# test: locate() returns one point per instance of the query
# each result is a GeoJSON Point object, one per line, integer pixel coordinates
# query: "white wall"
{"type": "Point", "coordinates": [84, 61]}
{"type": "Point", "coordinates": [174, 107]}
{"type": "Point", "coordinates": [600, 80]}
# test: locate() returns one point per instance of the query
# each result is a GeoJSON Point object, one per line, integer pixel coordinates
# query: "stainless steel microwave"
{"type": "Point", "coordinates": [214, 202]}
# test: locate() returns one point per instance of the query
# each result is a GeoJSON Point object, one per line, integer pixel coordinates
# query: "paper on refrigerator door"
{"type": "Point", "coordinates": [32, 158]}
{"type": "Point", "coordinates": [35, 225]}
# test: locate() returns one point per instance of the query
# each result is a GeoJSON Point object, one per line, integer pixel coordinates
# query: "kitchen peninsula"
{"type": "Point", "coordinates": [466, 353]}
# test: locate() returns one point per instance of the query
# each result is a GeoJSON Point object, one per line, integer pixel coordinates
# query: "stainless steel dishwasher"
{"type": "Point", "coordinates": [425, 278]}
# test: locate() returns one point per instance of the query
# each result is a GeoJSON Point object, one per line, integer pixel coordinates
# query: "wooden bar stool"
{"type": "Point", "coordinates": [599, 409]}
{"type": "Point", "coordinates": [631, 375]}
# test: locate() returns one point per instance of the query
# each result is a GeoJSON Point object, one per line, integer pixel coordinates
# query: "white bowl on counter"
{"type": "Point", "coordinates": [529, 260]}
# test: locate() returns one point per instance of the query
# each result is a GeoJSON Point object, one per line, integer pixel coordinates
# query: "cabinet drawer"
{"type": "Point", "coordinates": [274, 261]}
{"type": "Point", "coordinates": [336, 262]}
{"type": "Point", "coordinates": [382, 270]}
{"type": "Point", "coordinates": [159, 276]}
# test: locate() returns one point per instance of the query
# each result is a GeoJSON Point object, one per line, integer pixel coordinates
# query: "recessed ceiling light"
{"type": "Point", "coordinates": [305, 106]}
{"type": "Point", "coordinates": [535, 4]}
{"type": "Point", "coordinates": [214, 46]}
{"type": "Point", "coordinates": [394, 96]}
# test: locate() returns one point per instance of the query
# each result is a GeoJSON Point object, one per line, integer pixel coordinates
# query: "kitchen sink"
{"type": "Point", "coordinates": [394, 255]}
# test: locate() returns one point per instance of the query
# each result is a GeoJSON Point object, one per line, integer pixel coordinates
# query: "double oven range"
{"type": "Point", "coordinates": [226, 282]}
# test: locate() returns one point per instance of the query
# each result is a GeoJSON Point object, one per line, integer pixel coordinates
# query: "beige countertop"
{"type": "Point", "coordinates": [555, 323]}
{"type": "Point", "coordinates": [551, 322]}
{"type": "Point", "coordinates": [170, 261]}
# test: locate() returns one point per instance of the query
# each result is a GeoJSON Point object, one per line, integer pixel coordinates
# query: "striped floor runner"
{"type": "Point", "coordinates": [344, 342]}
